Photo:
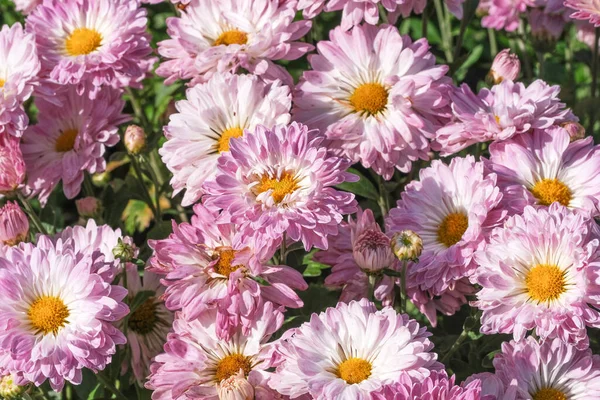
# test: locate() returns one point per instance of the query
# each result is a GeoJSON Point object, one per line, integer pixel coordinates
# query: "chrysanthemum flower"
{"type": "Point", "coordinates": [18, 76]}
{"type": "Point", "coordinates": [196, 363]}
{"type": "Point", "coordinates": [508, 109]}
{"type": "Point", "coordinates": [359, 249]}
{"type": "Point", "coordinates": [209, 264]}
{"type": "Point", "coordinates": [212, 114]}
{"type": "Point", "coordinates": [280, 180]}
{"type": "Point", "coordinates": [506, 66]}
{"type": "Point", "coordinates": [56, 313]}
{"type": "Point", "coordinates": [551, 370]}
{"type": "Point", "coordinates": [71, 138]}
{"type": "Point", "coordinates": [376, 95]}
{"type": "Point", "coordinates": [544, 167]}
{"type": "Point", "coordinates": [353, 11]}
{"type": "Point", "coordinates": [503, 14]}
{"type": "Point", "coordinates": [148, 325]}
{"type": "Point", "coordinates": [350, 351]}
{"type": "Point", "coordinates": [544, 282]}
{"type": "Point", "coordinates": [437, 386]}
{"type": "Point", "coordinates": [226, 35]}
{"type": "Point", "coordinates": [12, 165]}
{"type": "Point", "coordinates": [14, 226]}
{"type": "Point", "coordinates": [585, 10]}
{"type": "Point", "coordinates": [26, 6]}
{"type": "Point", "coordinates": [91, 43]}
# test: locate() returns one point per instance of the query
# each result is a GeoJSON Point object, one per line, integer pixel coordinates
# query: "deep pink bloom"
{"type": "Point", "coordinates": [437, 386]}
{"type": "Point", "coordinates": [14, 226]}
{"type": "Point", "coordinates": [585, 10]}
{"type": "Point", "coordinates": [12, 165]}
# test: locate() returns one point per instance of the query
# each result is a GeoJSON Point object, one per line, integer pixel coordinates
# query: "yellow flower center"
{"type": "Point", "coordinates": [549, 394]}
{"type": "Point", "coordinates": [223, 142]}
{"type": "Point", "coordinates": [547, 191]}
{"type": "Point", "coordinates": [354, 370]}
{"type": "Point", "coordinates": [370, 98]}
{"type": "Point", "coordinates": [2, 82]}
{"type": "Point", "coordinates": [497, 118]}
{"type": "Point", "coordinates": [66, 141]}
{"type": "Point", "coordinates": [48, 314]}
{"type": "Point", "coordinates": [545, 282]}
{"type": "Point", "coordinates": [286, 184]}
{"type": "Point", "coordinates": [83, 41]}
{"type": "Point", "coordinates": [452, 228]}
{"type": "Point", "coordinates": [232, 37]}
{"type": "Point", "coordinates": [231, 365]}
{"type": "Point", "coordinates": [223, 266]}
{"type": "Point", "coordinates": [143, 319]}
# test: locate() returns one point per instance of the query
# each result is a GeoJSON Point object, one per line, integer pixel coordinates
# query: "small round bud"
{"type": "Point", "coordinates": [135, 139]}
{"type": "Point", "coordinates": [125, 250]}
{"type": "Point", "coordinates": [506, 66]}
{"type": "Point", "coordinates": [14, 225]}
{"type": "Point", "coordinates": [9, 389]}
{"type": "Point", "coordinates": [101, 179]}
{"type": "Point", "coordinates": [88, 207]}
{"type": "Point", "coordinates": [575, 129]}
{"type": "Point", "coordinates": [371, 250]}
{"type": "Point", "coordinates": [407, 245]}
{"type": "Point", "coordinates": [236, 387]}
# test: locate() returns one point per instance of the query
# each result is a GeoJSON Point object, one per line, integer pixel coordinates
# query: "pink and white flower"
{"type": "Point", "coordinates": [350, 351]}
{"type": "Point", "coordinates": [26, 6]}
{"type": "Point", "coordinates": [14, 225]}
{"type": "Point", "coordinates": [506, 66]}
{"type": "Point", "coordinates": [585, 10]}
{"type": "Point", "coordinates": [437, 386]}
{"type": "Point", "coordinates": [549, 283]}
{"type": "Point", "coordinates": [376, 95]}
{"type": "Point", "coordinates": [226, 35]}
{"type": "Point", "coordinates": [503, 14]}
{"type": "Point", "coordinates": [212, 114]}
{"type": "Point", "coordinates": [12, 165]}
{"type": "Point", "coordinates": [281, 180]}
{"type": "Point", "coordinates": [506, 110]}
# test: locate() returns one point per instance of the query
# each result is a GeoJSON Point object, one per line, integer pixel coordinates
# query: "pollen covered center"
{"type": "Point", "coordinates": [547, 191]}
{"type": "Point", "coordinates": [223, 142]}
{"type": "Point", "coordinates": [280, 187]}
{"type": "Point", "coordinates": [83, 41]}
{"type": "Point", "coordinates": [66, 141]}
{"type": "Point", "coordinates": [354, 370]}
{"type": "Point", "coordinates": [233, 36]}
{"type": "Point", "coordinates": [231, 365]}
{"type": "Point", "coordinates": [549, 394]}
{"type": "Point", "coordinates": [545, 282]}
{"type": "Point", "coordinates": [224, 265]}
{"type": "Point", "coordinates": [2, 82]}
{"type": "Point", "coordinates": [370, 98]}
{"type": "Point", "coordinates": [48, 314]}
{"type": "Point", "coordinates": [452, 228]}
{"type": "Point", "coordinates": [143, 319]}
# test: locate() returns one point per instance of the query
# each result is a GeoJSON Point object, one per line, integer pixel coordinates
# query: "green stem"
{"type": "Point", "coordinates": [372, 282]}
{"type": "Point", "coordinates": [140, 176]}
{"type": "Point", "coordinates": [137, 109]}
{"type": "Point", "coordinates": [403, 294]}
{"type": "Point", "coordinates": [32, 215]}
{"type": "Point", "coordinates": [110, 387]}
{"type": "Point", "coordinates": [88, 189]}
{"type": "Point", "coordinates": [283, 250]}
{"type": "Point", "coordinates": [526, 60]}
{"type": "Point", "coordinates": [425, 20]}
{"type": "Point", "coordinates": [461, 338]}
{"type": "Point", "coordinates": [542, 61]}
{"type": "Point", "coordinates": [157, 193]}
{"type": "Point", "coordinates": [493, 43]}
{"type": "Point", "coordinates": [384, 199]}
{"type": "Point", "coordinates": [445, 32]}
{"type": "Point", "coordinates": [594, 79]}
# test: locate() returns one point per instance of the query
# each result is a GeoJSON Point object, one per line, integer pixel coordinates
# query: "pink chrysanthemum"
{"type": "Point", "coordinates": [551, 370]}
{"type": "Point", "coordinates": [91, 43]}
{"type": "Point", "coordinates": [226, 35]}
{"type": "Point", "coordinates": [547, 282]}
{"type": "Point", "coordinates": [437, 386]}
{"type": "Point", "coordinates": [350, 351]}
{"type": "Point", "coordinates": [196, 363]}
{"type": "Point", "coordinates": [12, 165]}
{"type": "Point", "coordinates": [71, 138]}
{"type": "Point", "coordinates": [376, 95]}
{"type": "Point", "coordinates": [14, 225]}
{"type": "Point", "coordinates": [19, 66]}
{"type": "Point", "coordinates": [585, 10]}
{"type": "Point", "coordinates": [148, 325]}
{"type": "Point", "coordinates": [209, 264]}
{"type": "Point", "coordinates": [359, 249]}
{"type": "Point", "coordinates": [280, 180]}
{"type": "Point", "coordinates": [26, 6]}
{"type": "Point", "coordinates": [56, 313]}
{"type": "Point", "coordinates": [504, 111]}
{"type": "Point", "coordinates": [503, 14]}
{"type": "Point", "coordinates": [212, 114]}
{"type": "Point", "coordinates": [544, 167]}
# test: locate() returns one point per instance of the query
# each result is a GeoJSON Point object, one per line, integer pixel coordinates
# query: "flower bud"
{"type": "Point", "coordinates": [9, 389]}
{"type": "Point", "coordinates": [14, 225]}
{"type": "Point", "coordinates": [101, 179]}
{"type": "Point", "coordinates": [407, 245]}
{"type": "Point", "coordinates": [12, 166]}
{"type": "Point", "coordinates": [135, 139]}
{"type": "Point", "coordinates": [236, 387]}
{"type": "Point", "coordinates": [575, 129]}
{"type": "Point", "coordinates": [88, 207]}
{"type": "Point", "coordinates": [371, 250]}
{"type": "Point", "coordinates": [506, 66]}
{"type": "Point", "coordinates": [125, 250]}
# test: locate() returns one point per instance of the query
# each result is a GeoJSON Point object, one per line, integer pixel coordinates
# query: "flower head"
{"type": "Point", "coordinates": [407, 245]}
{"type": "Point", "coordinates": [376, 95]}
{"type": "Point", "coordinates": [236, 387]}
{"type": "Point", "coordinates": [437, 386]}
{"type": "Point", "coordinates": [503, 14]}
{"type": "Point", "coordinates": [506, 66]}
{"type": "Point", "coordinates": [26, 6]}
{"type": "Point", "coordinates": [14, 226]}
{"type": "Point", "coordinates": [134, 139]}
{"type": "Point", "coordinates": [12, 165]}
{"type": "Point", "coordinates": [585, 10]}
{"type": "Point", "coordinates": [9, 389]}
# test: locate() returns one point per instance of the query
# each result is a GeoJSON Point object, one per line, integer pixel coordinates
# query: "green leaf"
{"type": "Point", "coordinates": [89, 388]}
{"type": "Point", "coordinates": [313, 268]}
{"type": "Point", "coordinates": [161, 230]}
{"type": "Point", "coordinates": [363, 187]}
{"type": "Point", "coordinates": [470, 60]}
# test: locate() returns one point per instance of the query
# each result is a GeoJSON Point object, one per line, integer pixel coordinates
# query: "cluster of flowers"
{"type": "Point", "coordinates": [262, 176]}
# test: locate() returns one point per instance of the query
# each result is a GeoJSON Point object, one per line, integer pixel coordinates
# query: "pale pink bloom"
{"type": "Point", "coordinates": [70, 138]}
{"type": "Point", "coordinates": [14, 226]}
{"type": "Point", "coordinates": [212, 114]}
{"type": "Point", "coordinates": [586, 33]}
{"type": "Point", "coordinates": [91, 43]}
{"type": "Point", "coordinates": [585, 10]}
{"type": "Point", "coordinates": [350, 351]}
{"type": "Point", "coordinates": [209, 264]}
{"type": "Point", "coordinates": [147, 326]}
{"type": "Point", "coordinates": [506, 66]}
{"type": "Point", "coordinates": [196, 363]}
{"type": "Point", "coordinates": [236, 387]}
{"type": "Point", "coordinates": [503, 14]}
{"type": "Point", "coordinates": [508, 109]}
{"type": "Point", "coordinates": [134, 139]}
{"type": "Point", "coordinates": [548, 283]}
{"type": "Point", "coordinates": [225, 35]}
{"type": "Point", "coordinates": [12, 165]}
{"type": "Point", "coordinates": [26, 6]}
{"type": "Point", "coordinates": [376, 95]}
{"type": "Point", "coordinates": [56, 312]}
{"type": "Point", "coordinates": [358, 249]}
{"type": "Point", "coordinates": [544, 167]}
{"type": "Point", "coordinates": [281, 180]}
{"type": "Point", "coordinates": [548, 370]}
{"type": "Point", "coordinates": [19, 66]}
{"type": "Point", "coordinates": [437, 386]}
{"type": "Point", "coordinates": [492, 387]}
